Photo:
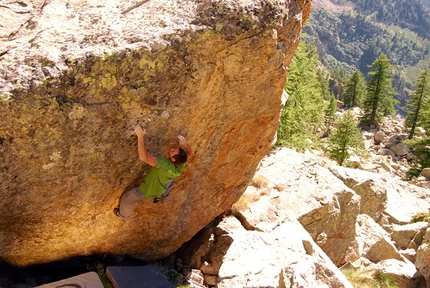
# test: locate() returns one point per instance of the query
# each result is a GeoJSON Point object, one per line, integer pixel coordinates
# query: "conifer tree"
{"type": "Point", "coordinates": [355, 90]}
{"type": "Point", "coordinates": [330, 114]}
{"type": "Point", "coordinates": [331, 109]}
{"type": "Point", "coordinates": [324, 85]}
{"type": "Point", "coordinates": [418, 106]}
{"type": "Point", "coordinates": [344, 139]}
{"type": "Point", "coordinates": [379, 100]}
{"type": "Point", "coordinates": [303, 113]}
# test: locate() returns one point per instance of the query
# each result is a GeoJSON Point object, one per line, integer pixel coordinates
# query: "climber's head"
{"type": "Point", "coordinates": [177, 155]}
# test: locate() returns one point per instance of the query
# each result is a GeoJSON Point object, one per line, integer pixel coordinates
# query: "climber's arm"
{"type": "Point", "coordinates": [184, 145]}
{"type": "Point", "coordinates": [141, 149]}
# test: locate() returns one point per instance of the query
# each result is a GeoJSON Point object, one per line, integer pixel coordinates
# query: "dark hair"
{"type": "Point", "coordinates": [181, 157]}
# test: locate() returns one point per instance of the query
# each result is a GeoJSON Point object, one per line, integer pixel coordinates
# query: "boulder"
{"type": "Point", "coordinates": [404, 274]}
{"type": "Point", "coordinates": [324, 206]}
{"type": "Point", "coordinates": [384, 198]}
{"type": "Point", "coordinates": [386, 152]}
{"type": "Point", "coordinates": [391, 141]}
{"type": "Point", "coordinates": [372, 192]}
{"type": "Point", "coordinates": [400, 149]}
{"type": "Point", "coordinates": [379, 137]}
{"type": "Point", "coordinates": [422, 261]}
{"type": "Point", "coordinates": [425, 173]}
{"type": "Point", "coordinates": [374, 242]}
{"type": "Point", "coordinates": [410, 156]}
{"type": "Point", "coordinates": [402, 235]}
{"type": "Point", "coordinates": [420, 131]}
{"type": "Point", "coordinates": [332, 227]}
{"type": "Point", "coordinates": [263, 244]}
{"type": "Point", "coordinates": [269, 258]}
{"type": "Point", "coordinates": [409, 254]}
{"type": "Point", "coordinates": [77, 77]}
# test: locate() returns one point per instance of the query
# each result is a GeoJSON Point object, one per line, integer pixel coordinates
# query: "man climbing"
{"type": "Point", "coordinates": [159, 179]}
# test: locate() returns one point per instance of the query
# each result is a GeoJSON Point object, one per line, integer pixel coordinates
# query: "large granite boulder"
{"type": "Point", "coordinates": [324, 206]}
{"type": "Point", "coordinates": [77, 76]}
{"type": "Point", "coordinates": [422, 261]}
{"type": "Point", "coordinates": [387, 199]}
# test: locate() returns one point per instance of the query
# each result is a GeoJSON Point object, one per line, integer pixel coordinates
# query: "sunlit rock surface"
{"type": "Point", "coordinates": [76, 76]}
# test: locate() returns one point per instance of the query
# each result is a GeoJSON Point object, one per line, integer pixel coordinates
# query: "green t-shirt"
{"type": "Point", "coordinates": [155, 182]}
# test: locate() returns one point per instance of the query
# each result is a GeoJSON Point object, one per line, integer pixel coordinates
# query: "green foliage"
{"type": "Point", "coordinates": [421, 150]}
{"type": "Point", "coordinates": [418, 106]}
{"type": "Point", "coordinates": [331, 109]}
{"type": "Point", "coordinates": [379, 101]}
{"type": "Point", "coordinates": [338, 78]}
{"type": "Point", "coordinates": [421, 217]}
{"type": "Point", "coordinates": [324, 85]}
{"type": "Point", "coordinates": [357, 278]}
{"type": "Point", "coordinates": [344, 139]}
{"type": "Point", "coordinates": [401, 13]}
{"type": "Point", "coordinates": [355, 90]}
{"type": "Point", "coordinates": [339, 73]}
{"type": "Point", "coordinates": [303, 114]}
{"type": "Point", "coordinates": [384, 281]}
{"type": "Point", "coordinates": [365, 279]}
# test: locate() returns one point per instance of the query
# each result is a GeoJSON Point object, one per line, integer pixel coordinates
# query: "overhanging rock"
{"type": "Point", "coordinates": [76, 77]}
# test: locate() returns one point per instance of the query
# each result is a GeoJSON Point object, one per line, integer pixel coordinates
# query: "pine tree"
{"type": "Point", "coordinates": [418, 106]}
{"type": "Point", "coordinates": [379, 100]}
{"type": "Point", "coordinates": [345, 138]}
{"type": "Point", "coordinates": [303, 114]}
{"type": "Point", "coordinates": [331, 109]}
{"type": "Point", "coordinates": [324, 85]}
{"type": "Point", "coordinates": [355, 90]}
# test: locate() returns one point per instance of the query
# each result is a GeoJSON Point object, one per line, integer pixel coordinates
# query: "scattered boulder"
{"type": "Point", "coordinates": [400, 149]}
{"type": "Point", "coordinates": [375, 242]}
{"type": "Point", "coordinates": [409, 254]}
{"type": "Point", "coordinates": [422, 261]}
{"type": "Point", "coordinates": [425, 173]}
{"type": "Point", "coordinates": [263, 257]}
{"type": "Point", "coordinates": [403, 235]}
{"type": "Point", "coordinates": [386, 152]}
{"type": "Point", "coordinates": [379, 137]}
{"type": "Point", "coordinates": [322, 198]}
{"type": "Point", "coordinates": [384, 198]}
{"type": "Point", "coordinates": [391, 141]}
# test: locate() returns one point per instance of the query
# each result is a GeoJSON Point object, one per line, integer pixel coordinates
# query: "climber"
{"type": "Point", "coordinates": [159, 180]}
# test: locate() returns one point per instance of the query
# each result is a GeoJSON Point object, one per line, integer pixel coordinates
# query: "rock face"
{"type": "Point", "coordinates": [301, 209]}
{"type": "Point", "coordinates": [74, 80]}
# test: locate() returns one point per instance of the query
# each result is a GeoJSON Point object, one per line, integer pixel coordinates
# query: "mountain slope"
{"type": "Point", "coordinates": [352, 34]}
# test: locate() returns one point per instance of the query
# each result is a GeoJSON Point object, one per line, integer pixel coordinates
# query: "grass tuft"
{"type": "Point", "coordinates": [366, 279]}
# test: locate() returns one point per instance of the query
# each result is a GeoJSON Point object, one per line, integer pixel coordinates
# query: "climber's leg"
{"type": "Point", "coordinates": [127, 202]}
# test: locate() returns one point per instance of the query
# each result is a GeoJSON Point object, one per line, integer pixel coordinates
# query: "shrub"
{"type": "Point", "coordinates": [421, 217]}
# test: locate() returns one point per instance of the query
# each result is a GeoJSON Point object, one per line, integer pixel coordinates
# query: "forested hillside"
{"type": "Point", "coordinates": [350, 35]}
{"type": "Point", "coordinates": [426, 2]}
{"type": "Point", "coordinates": [403, 13]}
